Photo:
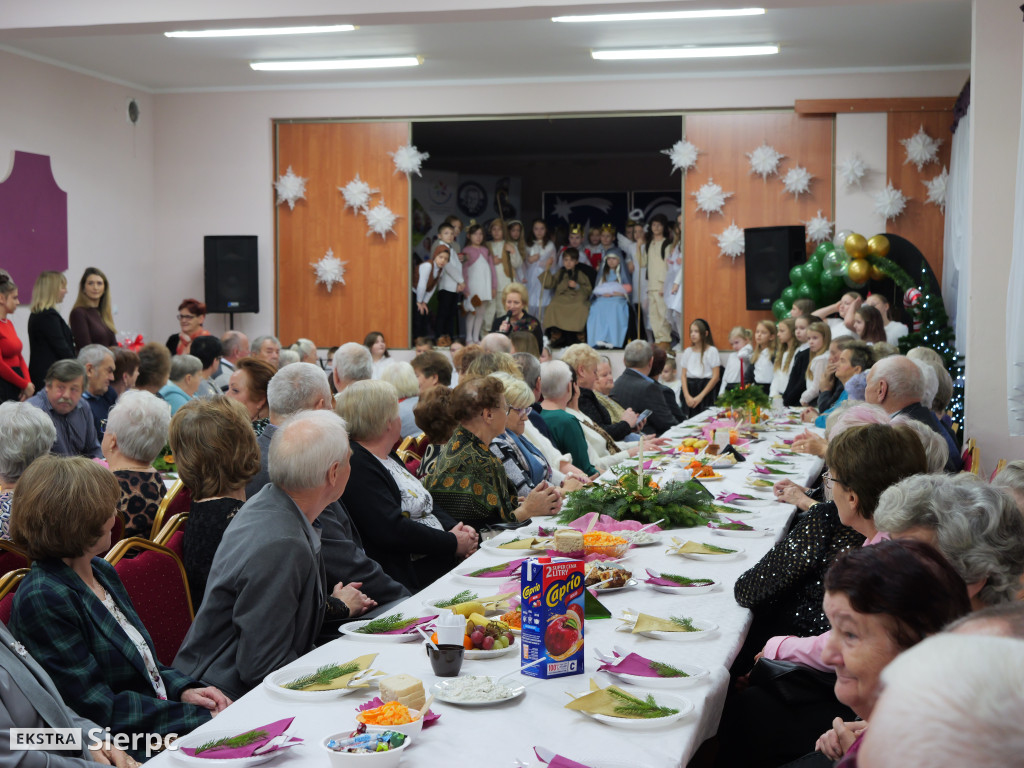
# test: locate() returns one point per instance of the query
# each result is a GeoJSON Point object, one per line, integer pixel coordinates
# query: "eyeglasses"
{"type": "Point", "coordinates": [522, 411]}
{"type": "Point", "coordinates": [186, 317]}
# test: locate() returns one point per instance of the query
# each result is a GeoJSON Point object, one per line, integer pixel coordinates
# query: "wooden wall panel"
{"type": "Point", "coordinates": [375, 296]}
{"type": "Point", "coordinates": [715, 286]}
{"type": "Point", "coordinates": [922, 223]}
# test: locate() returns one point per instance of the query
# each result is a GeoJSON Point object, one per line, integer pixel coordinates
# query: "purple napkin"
{"type": "Point", "coordinates": [633, 664]}
{"type": "Point", "coordinates": [560, 762]}
{"type": "Point", "coordinates": [409, 629]}
{"type": "Point", "coordinates": [499, 572]}
{"type": "Point", "coordinates": [655, 578]}
{"type": "Point", "coordinates": [727, 497]}
{"type": "Point", "coordinates": [648, 464]}
{"type": "Point", "coordinates": [428, 719]}
{"type": "Point", "coordinates": [786, 442]}
{"type": "Point", "coordinates": [762, 470]}
{"type": "Point", "coordinates": [273, 730]}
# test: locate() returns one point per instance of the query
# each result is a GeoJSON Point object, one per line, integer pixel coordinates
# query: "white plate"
{"type": "Point", "coordinates": [350, 630]}
{"type": "Point", "coordinates": [751, 480]}
{"type": "Point", "coordinates": [193, 740]}
{"type": "Point", "coordinates": [708, 479]}
{"type": "Point", "coordinates": [648, 724]}
{"type": "Point", "coordinates": [439, 690]}
{"type": "Point", "coordinates": [654, 538]}
{"type": "Point", "coordinates": [480, 653]}
{"type": "Point", "coordinates": [493, 546]}
{"type": "Point", "coordinates": [703, 589]}
{"type": "Point", "coordinates": [696, 674]}
{"type": "Point", "coordinates": [754, 534]}
{"type": "Point", "coordinates": [753, 502]}
{"type": "Point", "coordinates": [462, 574]}
{"type": "Point", "coordinates": [704, 628]}
{"type": "Point", "coordinates": [609, 590]}
{"type": "Point", "coordinates": [715, 558]}
{"type": "Point", "coordinates": [275, 682]}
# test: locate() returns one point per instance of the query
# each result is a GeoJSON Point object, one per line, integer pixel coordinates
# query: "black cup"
{"type": "Point", "coordinates": [446, 661]}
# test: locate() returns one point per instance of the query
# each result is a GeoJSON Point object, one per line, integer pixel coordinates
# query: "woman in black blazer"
{"type": "Point", "coordinates": [49, 336]}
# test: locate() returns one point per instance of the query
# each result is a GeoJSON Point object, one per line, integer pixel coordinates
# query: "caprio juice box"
{"type": "Point", "coordinates": [552, 606]}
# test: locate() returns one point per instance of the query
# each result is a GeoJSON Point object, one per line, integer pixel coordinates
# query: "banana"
{"type": "Point", "coordinates": [467, 609]}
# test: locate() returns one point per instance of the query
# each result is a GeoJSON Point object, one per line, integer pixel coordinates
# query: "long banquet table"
{"type": "Point", "coordinates": [505, 733]}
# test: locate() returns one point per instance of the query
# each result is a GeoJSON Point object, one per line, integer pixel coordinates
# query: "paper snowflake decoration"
{"type": "Point", "coordinates": [819, 229]}
{"type": "Point", "coordinates": [937, 189]}
{"type": "Point", "coordinates": [852, 170]}
{"type": "Point", "coordinates": [380, 219]}
{"type": "Point", "coordinates": [797, 181]}
{"type": "Point", "coordinates": [764, 161]}
{"type": "Point", "coordinates": [921, 149]}
{"type": "Point", "coordinates": [710, 198]}
{"type": "Point", "coordinates": [730, 241]}
{"type": "Point", "coordinates": [290, 188]}
{"type": "Point", "coordinates": [683, 155]}
{"type": "Point", "coordinates": [329, 270]}
{"type": "Point", "coordinates": [408, 159]}
{"type": "Point", "coordinates": [357, 194]}
{"type": "Point", "coordinates": [890, 202]}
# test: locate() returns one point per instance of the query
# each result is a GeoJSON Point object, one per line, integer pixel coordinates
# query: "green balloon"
{"type": "Point", "coordinates": [815, 258]}
{"type": "Point", "coordinates": [812, 272]}
{"type": "Point", "coordinates": [780, 309]}
{"type": "Point", "coordinates": [796, 274]}
{"type": "Point", "coordinates": [835, 262]}
{"type": "Point", "coordinates": [832, 287]}
{"type": "Point", "coordinates": [803, 291]}
{"type": "Point", "coordinates": [789, 295]}
{"type": "Point", "coordinates": [821, 250]}
{"type": "Point", "coordinates": [816, 293]}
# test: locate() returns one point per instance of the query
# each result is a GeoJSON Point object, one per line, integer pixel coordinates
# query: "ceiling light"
{"type": "Point", "coordinates": [258, 31]}
{"type": "Point", "coordinates": [661, 15]}
{"type": "Point", "coordinates": [322, 64]}
{"type": "Point", "coordinates": [697, 52]}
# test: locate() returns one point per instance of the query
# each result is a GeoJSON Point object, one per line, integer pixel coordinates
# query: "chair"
{"type": "Point", "coordinates": [12, 557]}
{"type": "Point", "coordinates": [156, 582]}
{"type": "Point", "coordinates": [970, 457]}
{"type": "Point", "coordinates": [1000, 466]}
{"type": "Point", "coordinates": [171, 504]}
{"type": "Point", "coordinates": [174, 524]}
{"type": "Point", "coordinates": [8, 584]}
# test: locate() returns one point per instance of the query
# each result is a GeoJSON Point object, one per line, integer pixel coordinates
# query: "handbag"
{"type": "Point", "coordinates": [793, 683]}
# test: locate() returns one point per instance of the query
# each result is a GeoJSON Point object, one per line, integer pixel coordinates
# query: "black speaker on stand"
{"type": "Point", "coordinates": [770, 252]}
{"type": "Point", "coordinates": [231, 274]}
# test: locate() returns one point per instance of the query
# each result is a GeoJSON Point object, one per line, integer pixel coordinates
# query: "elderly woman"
{"type": "Point", "coordinates": [307, 351]}
{"type": "Point", "coordinates": [126, 370]}
{"type": "Point", "coordinates": [74, 616]}
{"type": "Point", "coordinates": [515, 299]}
{"type": "Point", "coordinates": [556, 390]}
{"type": "Point", "coordinates": [154, 368]}
{"type": "Point", "coordinates": [414, 543]}
{"type": "Point", "coordinates": [586, 363]}
{"type": "Point", "coordinates": [185, 377]}
{"type": "Point", "coordinates": [403, 378]}
{"type": "Point", "coordinates": [434, 418]}
{"type": "Point", "coordinates": [467, 481]}
{"type": "Point", "coordinates": [248, 385]}
{"type": "Point", "coordinates": [136, 432]}
{"type": "Point", "coordinates": [524, 463]}
{"type": "Point", "coordinates": [26, 433]}
{"type": "Point", "coordinates": [191, 316]}
{"type": "Point", "coordinates": [216, 454]}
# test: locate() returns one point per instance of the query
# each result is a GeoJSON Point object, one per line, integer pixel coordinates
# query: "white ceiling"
{"type": "Point", "coordinates": [513, 44]}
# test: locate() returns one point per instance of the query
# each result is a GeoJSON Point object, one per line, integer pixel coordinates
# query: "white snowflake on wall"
{"type": "Point", "coordinates": [797, 181]}
{"type": "Point", "coordinates": [730, 241]}
{"type": "Point", "coordinates": [921, 149]}
{"type": "Point", "coordinates": [683, 155]}
{"type": "Point", "coordinates": [710, 198]}
{"type": "Point", "coordinates": [764, 161]}
{"type": "Point", "coordinates": [408, 159]}
{"type": "Point", "coordinates": [819, 229]}
{"type": "Point", "coordinates": [357, 194]}
{"type": "Point", "coordinates": [380, 219]}
{"type": "Point", "coordinates": [290, 188]}
{"type": "Point", "coordinates": [852, 170]}
{"type": "Point", "coordinates": [937, 189]}
{"type": "Point", "coordinates": [329, 270]}
{"type": "Point", "coordinates": [890, 202]}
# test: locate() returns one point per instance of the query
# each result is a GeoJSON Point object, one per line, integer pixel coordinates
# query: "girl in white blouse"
{"type": "Point", "coordinates": [819, 337]}
{"type": "Point", "coordinates": [764, 354]}
{"type": "Point", "coordinates": [700, 370]}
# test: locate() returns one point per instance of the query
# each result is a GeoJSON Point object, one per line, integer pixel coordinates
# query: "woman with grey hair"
{"type": "Point", "coordinates": [1011, 479]}
{"type": "Point", "coordinates": [557, 385]}
{"type": "Point", "coordinates": [26, 433]}
{"type": "Point", "coordinates": [306, 351]}
{"type": "Point", "coordinates": [524, 463]}
{"type": "Point", "coordinates": [136, 432]}
{"type": "Point", "coordinates": [977, 528]}
{"type": "Point", "coordinates": [184, 380]}
{"type": "Point", "coordinates": [415, 542]}
{"type": "Point", "coordinates": [402, 377]}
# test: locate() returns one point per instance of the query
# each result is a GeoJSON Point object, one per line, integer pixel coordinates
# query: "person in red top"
{"type": "Point", "coordinates": [191, 316]}
{"type": "Point", "coordinates": [15, 383]}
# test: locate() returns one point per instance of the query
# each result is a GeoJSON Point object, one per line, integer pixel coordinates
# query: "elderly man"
{"type": "Point", "coordinates": [99, 375]}
{"type": "Point", "coordinates": [234, 346]}
{"type": "Point", "coordinates": [432, 368]}
{"type": "Point", "coordinates": [497, 342]}
{"type": "Point", "coordinates": [352, 362]}
{"type": "Point", "coordinates": [298, 388]}
{"type": "Point", "coordinates": [896, 384]}
{"type": "Point", "coordinates": [637, 390]}
{"type": "Point", "coordinates": [61, 400]}
{"type": "Point", "coordinates": [268, 349]}
{"type": "Point", "coordinates": [266, 596]}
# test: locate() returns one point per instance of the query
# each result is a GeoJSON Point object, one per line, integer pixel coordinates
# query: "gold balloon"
{"type": "Point", "coordinates": [857, 246]}
{"type": "Point", "coordinates": [878, 245]}
{"type": "Point", "coordinates": [858, 270]}
{"type": "Point", "coordinates": [876, 273]}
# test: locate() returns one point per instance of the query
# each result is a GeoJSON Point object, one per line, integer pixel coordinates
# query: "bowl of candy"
{"type": "Point", "coordinates": [605, 544]}
{"type": "Point", "coordinates": [378, 749]}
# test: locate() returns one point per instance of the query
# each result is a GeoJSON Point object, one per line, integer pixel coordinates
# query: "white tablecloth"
{"type": "Point", "coordinates": [499, 735]}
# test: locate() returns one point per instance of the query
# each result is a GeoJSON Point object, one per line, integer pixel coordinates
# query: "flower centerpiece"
{"type": "Point", "coordinates": [747, 402]}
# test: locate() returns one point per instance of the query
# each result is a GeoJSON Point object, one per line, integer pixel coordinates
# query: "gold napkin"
{"type": "Point", "coordinates": [648, 623]}
{"type": "Point", "coordinates": [600, 702]}
{"type": "Point", "coordinates": [338, 683]}
{"type": "Point", "coordinates": [693, 547]}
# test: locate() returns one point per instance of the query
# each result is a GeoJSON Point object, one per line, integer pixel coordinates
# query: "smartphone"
{"type": "Point", "coordinates": [643, 417]}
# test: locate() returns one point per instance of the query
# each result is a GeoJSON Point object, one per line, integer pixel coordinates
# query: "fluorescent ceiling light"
{"type": "Point", "coordinates": [661, 15]}
{"type": "Point", "coordinates": [321, 64]}
{"type": "Point", "coordinates": [697, 52]}
{"type": "Point", "coordinates": [259, 31]}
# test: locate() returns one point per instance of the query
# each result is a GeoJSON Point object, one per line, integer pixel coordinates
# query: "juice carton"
{"type": "Point", "coordinates": [552, 605]}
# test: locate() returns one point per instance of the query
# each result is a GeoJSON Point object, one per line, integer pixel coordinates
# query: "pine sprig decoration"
{"type": "Point", "coordinates": [666, 670]}
{"type": "Point", "coordinates": [684, 622]}
{"type": "Point", "coordinates": [683, 581]}
{"type": "Point", "coordinates": [463, 597]}
{"type": "Point", "coordinates": [892, 270]}
{"type": "Point", "coordinates": [323, 676]}
{"type": "Point", "coordinates": [631, 706]}
{"type": "Point", "coordinates": [232, 742]}
{"type": "Point", "coordinates": [719, 550]}
{"type": "Point", "coordinates": [681, 505]}
{"type": "Point", "coordinates": [385, 624]}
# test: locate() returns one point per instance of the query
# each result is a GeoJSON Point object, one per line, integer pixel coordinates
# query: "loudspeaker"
{"type": "Point", "coordinates": [770, 252]}
{"type": "Point", "coordinates": [231, 273]}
